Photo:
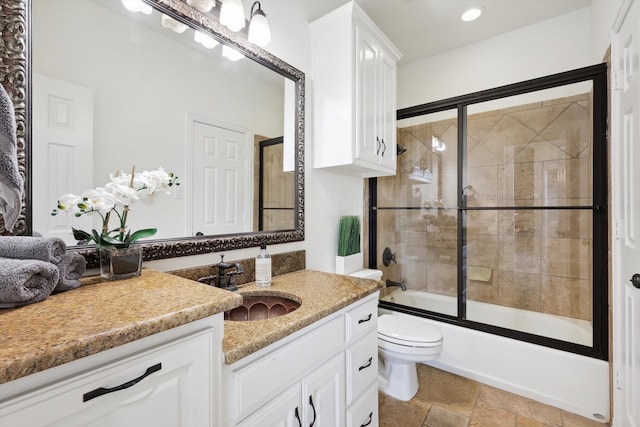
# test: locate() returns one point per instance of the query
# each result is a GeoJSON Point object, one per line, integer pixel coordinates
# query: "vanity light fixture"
{"type": "Point", "coordinates": [205, 39]}
{"type": "Point", "coordinates": [137, 6]}
{"type": "Point", "coordinates": [259, 32]}
{"type": "Point", "coordinates": [231, 53]}
{"type": "Point", "coordinates": [232, 14]}
{"type": "Point", "coordinates": [472, 14]}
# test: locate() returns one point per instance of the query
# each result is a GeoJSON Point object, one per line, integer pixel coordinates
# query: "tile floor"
{"type": "Point", "coordinates": [448, 400]}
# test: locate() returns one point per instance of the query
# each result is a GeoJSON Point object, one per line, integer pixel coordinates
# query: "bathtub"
{"type": "Point", "coordinates": [559, 327]}
{"type": "Point", "coordinates": [572, 382]}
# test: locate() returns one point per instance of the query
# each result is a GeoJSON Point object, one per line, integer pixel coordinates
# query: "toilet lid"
{"type": "Point", "coordinates": [407, 329]}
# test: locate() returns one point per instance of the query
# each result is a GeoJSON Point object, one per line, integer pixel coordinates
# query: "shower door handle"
{"type": "Point", "coordinates": [635, 281]}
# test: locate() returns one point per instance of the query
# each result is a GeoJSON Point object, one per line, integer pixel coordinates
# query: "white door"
{"type": "Point", "coordinates": [323, 395]}
{"type": "Point", "coordinates": [284, 410]}
{"type": "Point", "coordinates": [222, 179]}
{"type": "Point", "coordinates": [368, 142]}
{"type": "Point", "coordinates": [62, 148]}
{"type": "Point", "coordinates": [626, 215]}
{"type": "Point", "coordinates": [387, 110]}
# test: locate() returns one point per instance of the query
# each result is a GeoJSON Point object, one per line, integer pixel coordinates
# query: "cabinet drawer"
{"type": "Point", "coordinates": [364, 412]}
{"type": "Point", "coordinates": [254, 385]}
{"type": "Point", "coordinates": [168, 386]}
{"type": "Point", "coordinates": [362, 319]}
{"type": "Point", "coordinates": [362, 366]}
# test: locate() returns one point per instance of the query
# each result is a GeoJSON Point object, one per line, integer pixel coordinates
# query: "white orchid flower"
{"type": "Point", "coordinates": [69, 203]}
{"type": "Point", "coordinates": [123, 194]}
{"type": "Point", "coordinates": [98, 199]}
{"type": "Point", "coordinates": [156, 181]}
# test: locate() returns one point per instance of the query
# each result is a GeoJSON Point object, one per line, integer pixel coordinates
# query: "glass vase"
{"type": "Point", "coordinates": [120, 263]}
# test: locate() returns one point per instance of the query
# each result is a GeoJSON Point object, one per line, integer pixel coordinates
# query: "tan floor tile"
{"type": "Point", "coordinates": [396, 413]}
{"type": "Point", "coordinates": [521, 405]}
{"type": "Point", "coordinates": [443, 417]}
{"type": "Point", "coordinates": [573, 420]}
{"type": "Point", "coordinates": [489, 416]}
{"type": "Point", "coordinates": [528, 422]}
{"type": "Point", "coordinates": [447, 390]}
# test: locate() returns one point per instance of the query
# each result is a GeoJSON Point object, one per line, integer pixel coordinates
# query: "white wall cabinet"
{"type": "Point", "coordinates": [354, 94]}
{"type": "Point", "coordinates": [314, 377]}
{"type": "Point", "coordinates": [171, 384]}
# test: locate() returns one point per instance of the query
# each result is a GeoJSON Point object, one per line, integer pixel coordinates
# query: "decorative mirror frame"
{"type": "Point", "coordinates": [15, 76]}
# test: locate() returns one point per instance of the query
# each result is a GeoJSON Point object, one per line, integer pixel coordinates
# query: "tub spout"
{"type": "Point", "coordinates": [401, 285]}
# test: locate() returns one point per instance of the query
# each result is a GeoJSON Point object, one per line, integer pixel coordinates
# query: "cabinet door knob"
{"type": "Point", "coordinates": [314, 411]}
{"type": "Point", "coordinates": [368, 421]}
{"type": "Point", "coordinates": [102, 390]}
{"type": "Point", "coordinates": [635, 281]}
{"type": "Point", "coordinates": [298, 417]}
{"type": "Point", "coordinates": [366, 319]}
{"type": "Point", "coordinates": [378, 146]}
{"type": "Point", "coordinates": [384, 147]}
{"type": "Point", "coordinates": [366, 365]}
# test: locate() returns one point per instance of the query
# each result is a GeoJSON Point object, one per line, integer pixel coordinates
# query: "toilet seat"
{"type": "Point", "coordinates": [407, 331]}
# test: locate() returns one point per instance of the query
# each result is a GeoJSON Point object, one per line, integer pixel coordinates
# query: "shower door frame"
{"type": "Point", "coordinates": [597, 74]}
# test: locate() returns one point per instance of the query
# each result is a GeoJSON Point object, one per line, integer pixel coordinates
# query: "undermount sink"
{"type": "Point", "coordinates": [256, 306]}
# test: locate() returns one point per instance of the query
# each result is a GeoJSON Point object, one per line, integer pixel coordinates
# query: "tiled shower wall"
{"type": "Point", "coordinates": [538, 154]}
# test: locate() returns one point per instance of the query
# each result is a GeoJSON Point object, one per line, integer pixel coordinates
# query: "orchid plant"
{"type": "Point", "coordinates": [115, 199]}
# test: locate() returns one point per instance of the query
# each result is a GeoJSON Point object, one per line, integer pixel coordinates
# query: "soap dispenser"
{"type": "Point", "coordinates": [263, 267]}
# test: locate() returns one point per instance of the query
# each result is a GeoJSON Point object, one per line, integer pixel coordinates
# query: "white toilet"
{"type": "Point", "coordinates": [404, 341]}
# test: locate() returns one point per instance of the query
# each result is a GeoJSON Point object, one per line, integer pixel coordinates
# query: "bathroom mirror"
{"type": "Point", "coordinates": [276, 109]}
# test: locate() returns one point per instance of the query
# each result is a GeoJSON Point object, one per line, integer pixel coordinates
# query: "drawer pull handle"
{"type": "Point", "coordinates": [314, 411]}
{"type": "Point", "coordinates": [366, 319]}
{"type": "Point", "coordinates": [101, 390]}
{"type": "Point", "coordinates": [366, 365]}
{"type": "Point", "coordinates": [369, 421]}
{"type": "Point", "coordinates": [298, 417]}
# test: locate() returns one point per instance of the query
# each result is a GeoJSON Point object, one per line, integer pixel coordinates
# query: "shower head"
{"type": "Point", "coordinates": [400, 149]}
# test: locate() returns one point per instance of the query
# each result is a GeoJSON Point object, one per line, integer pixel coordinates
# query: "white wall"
{"type": "Point", "coordinates": [559, 44]}
{"type": "Point", "coordinates": [603, 13]}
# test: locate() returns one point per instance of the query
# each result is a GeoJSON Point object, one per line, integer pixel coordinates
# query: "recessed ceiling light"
{"type": "Point", "coordinates": [471, 14]}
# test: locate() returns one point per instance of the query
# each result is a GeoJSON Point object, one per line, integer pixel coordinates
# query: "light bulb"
{"type": "Point", "coordinates": [169, 22]}
{"type": "Point", "coordinates": [471, 14]}
{"type": "Point", "coordinates": [231, 53]}
{"type": "Point", "coordinates": [205, 40]}
{"type": "Point", "coordinates": [137, 6]}
{"type": "Point", "coordinates": [259, 32]}
{"type": "Point", "coordinates": [232, 15]}
{"type": "Point", "coordinates": [202, 5]}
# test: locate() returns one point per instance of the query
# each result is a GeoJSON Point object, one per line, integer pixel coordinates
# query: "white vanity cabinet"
{"type": "Point", "coordinates": [354, 94]}
{"type": "Point", "coordinates": [168, 379]}
{"type": "Point", "coordinates": [314, 377]}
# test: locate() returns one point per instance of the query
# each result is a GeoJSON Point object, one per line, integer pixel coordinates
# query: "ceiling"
{"type": "Point", "coordinates": [421, 28]}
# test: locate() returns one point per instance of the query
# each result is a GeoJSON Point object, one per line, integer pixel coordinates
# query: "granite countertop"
{"type": "Point", "coordinates": [97, 317]}
{"type": "Point", "coordinates": [320, 294]}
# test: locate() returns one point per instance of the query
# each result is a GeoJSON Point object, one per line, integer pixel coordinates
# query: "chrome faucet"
{"type": "Point", "coordinates": [401, 285]}
{"type": "Point", "coordinates": [230, 269]}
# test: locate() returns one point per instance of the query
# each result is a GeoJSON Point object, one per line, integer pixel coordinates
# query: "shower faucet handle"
{"type": "Point", "coordinates": [388, 256]}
